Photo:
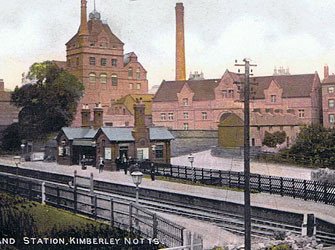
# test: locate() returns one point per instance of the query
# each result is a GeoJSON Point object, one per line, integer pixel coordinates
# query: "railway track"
{"type": "Point", "coordinates": [232, 222]}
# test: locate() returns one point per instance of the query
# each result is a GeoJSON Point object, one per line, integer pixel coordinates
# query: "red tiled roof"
{"type": "Point", "coordinates": [95, 27]}
{"type": "Point", "coordinates": [203, 90]}
{"type": "Point", "coordinates": [329, 80]}
{"type": "Point", "coordinates": [292, 85]}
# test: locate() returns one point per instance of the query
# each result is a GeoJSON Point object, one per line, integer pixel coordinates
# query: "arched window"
{"type": "Point", "coordinates": [130, 72]}
{"type": "Point", "coordinates": [138, 73]}
{"type": "Point", "coordinates": [92, 77]}
{"type": "Point", "coordinates": [103, 78]}
{"type": "Point", "coordinates": [114, 80]}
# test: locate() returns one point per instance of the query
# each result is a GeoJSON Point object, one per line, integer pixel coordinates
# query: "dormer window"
{"type": "Point", "coordinates": [185, 101]}
{"type": "Point", "coordinates": [228, 93]}
{"type": "Point", "coordinates": [273, 98]}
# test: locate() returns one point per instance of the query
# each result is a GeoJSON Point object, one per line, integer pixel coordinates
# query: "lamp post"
{"type": "Point", "coordinates": [191, 160]}
{"type": "Point", "coordinates": [17, 161]}
{"type": "Point", "coordinates": [137, 179]}
{"type": "Point", "coordinates": [22, 148]}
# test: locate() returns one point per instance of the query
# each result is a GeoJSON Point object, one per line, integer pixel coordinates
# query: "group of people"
{"type": "Point", "coordinates": [124, 163]}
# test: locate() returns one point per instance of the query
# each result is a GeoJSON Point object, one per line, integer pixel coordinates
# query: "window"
{"type": "Point", "coordinates": [163, 116]}
{"type": "Point", "coordinates": [204, 115]}
{"type": "Point", "coordinates": [114, 62]}
{"type": "Point", "coordinates": [138, 86]}
{"type": "Point", "coordinates": [301, 113]}
{"type": "Point", "coordinates": [77, 61]}
{"type": "Point", "coordinates": [92, 77]}
{"type": "Point", "coordinates": [170, 116]}
{"type": "Point", "coordinates": [185, 101]}
{"type": "Point", "coordinates": [331, 118]}
{"type": "Point", "coordinates": [273, 98]}
{"type": "Point", "coordinates": [92, 60]}
{"type": "Point", "coordinates": [331, 103]}
{"type": "Point", "coordinates": [131, 86]}
{"type": "Point", "coordinates": [331, 89]}
{"type": "Point", "coordinates": [159, 151]}
{"type": "Point", "coordinates": [130, 72]}
{"type": "Point", "coordinates": [103, 78]}
{"type": "Point", "coordinates": [138, 74]}
{"type": "Point", "coordinates": [114, 80]}
{"type": "Point", "coordinates": [185, 115]}
{"type": "Point", "coordinates": [185, 126]}
{"type": "Point", "coordinates": [231, 93]}
{"type": "Point", "coordinates": [228, 93]}
{"type": "Point", "coordinates": [103, 61]}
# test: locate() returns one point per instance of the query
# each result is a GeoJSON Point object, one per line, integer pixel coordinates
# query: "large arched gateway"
{"type": "Point", "coordinates": [230, 131]}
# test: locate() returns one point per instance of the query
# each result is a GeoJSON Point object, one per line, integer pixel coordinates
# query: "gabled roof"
{"type": "Point", "coordinates": [203, 90]}
{"type": "Point", "coordinates": [127, 56]}
{"type": "Point", "coordinates": [95, 27]}
{"type": "Point", "coordinates": [292, 85]}
{"type": "Point", "coordinates": [118, 134]}
{"type": "Point", "coordinates": [129, 100]}
{"type": "Point", "coordinates": [329, 80]}
{"type": "Point", "coordinates": [160, 133]}
{"type": "Point", "coordinates": [114, 134]}
{"type": "Point", "coordinates": [79, 133]}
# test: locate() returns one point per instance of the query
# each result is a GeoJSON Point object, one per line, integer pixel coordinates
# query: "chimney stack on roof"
{"type": "Point", "coordinates": [180, 43]}
{"type": "Point", "coordinates": [326, 71]}
{"type": "Point", "coordinates": [98, 112]}
{"type": "Point", "coordinates": [85, 116]}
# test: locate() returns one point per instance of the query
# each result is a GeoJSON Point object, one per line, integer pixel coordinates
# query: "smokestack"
{"type": "Point", "coordinates": [180, 43]}
{"type": "Point", "coordinates": [326, 71]}
{"type": "Point", "coordinates": [83, 30]}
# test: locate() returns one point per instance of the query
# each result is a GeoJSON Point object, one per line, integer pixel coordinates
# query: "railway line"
{"type": "Point", "coordinates": [230, 221]}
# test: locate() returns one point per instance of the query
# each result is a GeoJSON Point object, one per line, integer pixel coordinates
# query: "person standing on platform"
{"type": "Point", "coordinates": [101, 164]}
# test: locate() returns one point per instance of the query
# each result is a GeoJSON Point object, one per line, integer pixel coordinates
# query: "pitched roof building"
{"type": "Point", "coordinates": [277, 101]}
{"type": "Point", "coordinates": [96, 56]}
{"type": "Point", "coordinates": [328, 98]}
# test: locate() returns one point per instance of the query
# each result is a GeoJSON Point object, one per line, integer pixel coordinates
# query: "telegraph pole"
{"type": "Point", "coordinates": [247, 210]}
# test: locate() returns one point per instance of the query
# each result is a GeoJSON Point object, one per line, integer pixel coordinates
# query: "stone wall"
{"type": "Point", "coordinates": [189, 141]}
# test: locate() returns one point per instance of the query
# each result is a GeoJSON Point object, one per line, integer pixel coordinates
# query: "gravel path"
{"type": "Point", "coordinates": [204, 159]}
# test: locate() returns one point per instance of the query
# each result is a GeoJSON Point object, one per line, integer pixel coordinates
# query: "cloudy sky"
{"type": "Point", "coordinates": [296, 34]}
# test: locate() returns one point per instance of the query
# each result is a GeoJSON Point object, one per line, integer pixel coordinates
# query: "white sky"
{"type": "Point", "coordinates": [297, 34]}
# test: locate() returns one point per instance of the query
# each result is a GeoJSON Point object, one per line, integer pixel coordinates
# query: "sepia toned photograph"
{"type": "Point", "coordinates": [180, 125]}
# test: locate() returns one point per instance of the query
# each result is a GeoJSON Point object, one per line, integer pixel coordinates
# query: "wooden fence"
{"type": "Point", "coordinates": [296, 188]}
{"type": "Point", "coordinates": [118, 212]}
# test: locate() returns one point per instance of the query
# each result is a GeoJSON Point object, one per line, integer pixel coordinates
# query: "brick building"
{"type": "Point", "coordinates": [8, 112]}
{"type": "Point", "coordinates": [95, 140]}
{"type": "Point", "coordinates": [96, 56]}
{"type": "Point", "coordinates": [328, 99]}
{"type": "Point", "coordinates": [280, 102]}
{"type": "Point", "coordinates": [121, 112]}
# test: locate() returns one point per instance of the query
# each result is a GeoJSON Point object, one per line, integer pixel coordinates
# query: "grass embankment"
{"type": "Point", "coordinates": [21, 218]}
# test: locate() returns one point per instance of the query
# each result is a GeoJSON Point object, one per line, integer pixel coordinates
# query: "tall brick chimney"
{"type": "Point", "coordinates": [180, 43]}
{"type": "Point", "coordinates": [85, 117]}
{"type": "Point", "coordinates": [2, 85]}
{"type": "Point", "coordinates": [83, 29]}
{"type": "Point", "coordinates": [98, 118]}
{"type": "Point", "coordinates": [326, 71]}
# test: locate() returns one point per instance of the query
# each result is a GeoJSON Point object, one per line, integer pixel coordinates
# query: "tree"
{"type": "Point", "coordinates": [11, 140]}
{"type": "Point", "coordinates": [49, 104]}
{"type": "Point", "coordinates": [272, 140]}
